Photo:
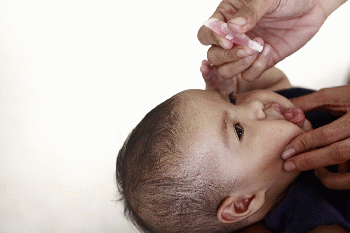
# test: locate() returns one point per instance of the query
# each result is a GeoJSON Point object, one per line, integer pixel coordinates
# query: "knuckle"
{"type": "Point", "coordinates": [249, 12]}
{"type": "Point", "coordinates": [323, 94]}
{"type": "Point", "coordinates": [225, 8]}
{"type": "Point", "coordinates": [303, 143]}
{"type": "Point", "coordinates": [328, 134]}
{"type": "Point", "coordinates": [306, 164]}
{"type": "Point", "coordinates": [319, 98]}
{"type": "Point", "coordinates": [341, 153]}
{"type": "Point", "coordinates": [325, 91]}
{"type": "Point", "coordinates": [229, 54]}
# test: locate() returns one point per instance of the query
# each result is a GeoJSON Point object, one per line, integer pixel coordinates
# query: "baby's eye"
{"type": "Point", "coordinates": [232, 98]}
{"type": "Point", "coordinates": [239, 130]}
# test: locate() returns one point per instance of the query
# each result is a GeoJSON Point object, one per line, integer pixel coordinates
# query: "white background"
{"type": "Point", "coordinates": [76, 76]}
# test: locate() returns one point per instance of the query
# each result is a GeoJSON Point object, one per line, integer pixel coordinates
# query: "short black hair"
{"type": "Point", "coordinates": [160, 192]}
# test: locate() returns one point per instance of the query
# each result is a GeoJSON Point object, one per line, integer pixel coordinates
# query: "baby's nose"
{"type": "Point", "coordinates": [256, 110]}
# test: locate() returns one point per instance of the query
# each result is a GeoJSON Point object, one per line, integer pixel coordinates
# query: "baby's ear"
{"type": "Point", "coordinates": [237, 207]}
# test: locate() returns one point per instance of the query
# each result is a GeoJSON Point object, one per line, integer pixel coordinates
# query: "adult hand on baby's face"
{"type": "Point", "coordinates": [285, 26]}
{"type": "Point", "coordinates": [327, 145]}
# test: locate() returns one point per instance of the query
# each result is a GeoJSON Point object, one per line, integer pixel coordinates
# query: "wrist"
{"type": "Point", "coordinates": [331, 5]}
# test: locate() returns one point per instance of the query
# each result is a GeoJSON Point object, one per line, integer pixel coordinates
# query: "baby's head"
{"type": "Point", "coordinates": [200, 163]}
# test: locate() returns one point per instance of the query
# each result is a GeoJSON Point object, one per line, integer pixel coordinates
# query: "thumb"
{"type": "Point", "coordinates": [208, 37]}
{"type": "Point", "coordinates": [247, 16]}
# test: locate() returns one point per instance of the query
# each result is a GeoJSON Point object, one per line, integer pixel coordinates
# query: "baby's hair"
{"type": "Point", "coordinates": [163, 190]}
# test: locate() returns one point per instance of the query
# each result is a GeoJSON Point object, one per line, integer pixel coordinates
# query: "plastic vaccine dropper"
{"type": "Point", "coordinates": [221, 28]}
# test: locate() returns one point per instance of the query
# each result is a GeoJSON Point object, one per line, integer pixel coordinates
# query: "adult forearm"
{"type": "Point", "coordinates": [331, 5]}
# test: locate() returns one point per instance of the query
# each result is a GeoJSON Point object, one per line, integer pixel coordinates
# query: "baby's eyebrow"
{"type": "Point", "coordinates": [223, 130]}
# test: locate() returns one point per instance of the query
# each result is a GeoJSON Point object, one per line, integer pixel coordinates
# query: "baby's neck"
{"type": "Point", "coordinates": [275, 201]}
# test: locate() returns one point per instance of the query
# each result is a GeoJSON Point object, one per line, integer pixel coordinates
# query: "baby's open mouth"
{"type": "Point", "coordinates": [293, 115]}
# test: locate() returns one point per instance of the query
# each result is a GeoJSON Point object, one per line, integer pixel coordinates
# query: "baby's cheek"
{"type": "Point", "coordinates": [275, 132]}
{"type": "Point", "coordinates": [283, 134]}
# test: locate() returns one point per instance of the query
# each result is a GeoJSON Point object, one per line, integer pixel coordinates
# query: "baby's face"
{"type": "Point", "coordinates": [245, 139]}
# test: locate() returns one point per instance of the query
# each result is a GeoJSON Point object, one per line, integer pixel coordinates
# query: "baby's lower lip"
{"type": "Point", "coordinates": [293, 115]}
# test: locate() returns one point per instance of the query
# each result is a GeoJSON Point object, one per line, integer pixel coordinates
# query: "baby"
{"type": "Point", "coordinates": [206, 161]}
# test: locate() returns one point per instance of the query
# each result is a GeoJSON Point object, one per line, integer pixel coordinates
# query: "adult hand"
{"type": "Point", "coordinates": [284, 25]}
{"type": "Point", "coordinates": [213, 81]}
{"type": "Point", "coordinates": [327, 145]}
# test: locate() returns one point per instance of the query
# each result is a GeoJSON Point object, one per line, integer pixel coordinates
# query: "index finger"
{"type": "Point", "coordinates": [323, 136]}
{"type": "Point", "coordinates": [336, 153]}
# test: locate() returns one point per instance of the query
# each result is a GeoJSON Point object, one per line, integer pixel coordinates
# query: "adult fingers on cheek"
{"type": "Point", "coordinates": [261, 64]}
{"type": "Point", "coordinates": [231, 69]}
{"type": "Point", "coordinates": [336, 153]}
{"type": "Point", "coordinates": [218, 56]}
{"type": "Point", "coordinates": [331, 134]}
{"type": "Point", "coordinates": [338, 181]}
{"type": "Point", "coordinates": [208, 37]}
{"type": "Point", "coordinates": [302, 162]}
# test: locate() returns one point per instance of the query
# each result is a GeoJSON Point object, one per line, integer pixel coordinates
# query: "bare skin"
{"type": "Point", "coordinates": [282, 26]}
{"type": "Point", "coordinates": [327, 145]}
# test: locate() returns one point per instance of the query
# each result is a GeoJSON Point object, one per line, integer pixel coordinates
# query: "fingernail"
{"type": "Point", "coordinates": [289, 166]}
{"type": "Point", "coordinates": [238, 21]}
{"type": "Point", "coordinates": [241, 53]}
{"type": "Point", "coordinates": [288, 153]}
